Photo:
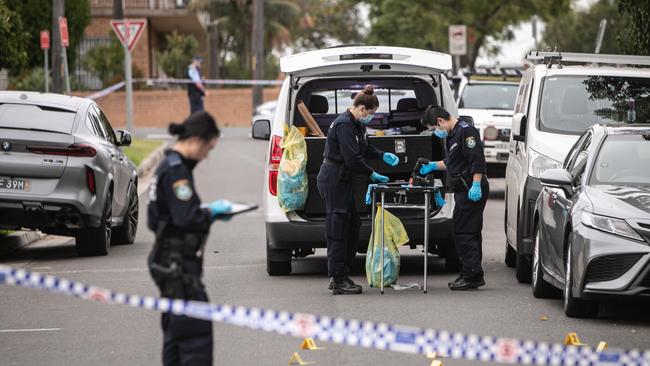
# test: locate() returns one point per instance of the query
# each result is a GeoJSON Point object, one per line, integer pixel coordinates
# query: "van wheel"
{"type": "Point", "coordinates": [511, 256]}
{"type": "Point", "coordinates": [97, 241]}
{"type": "Point", "coordinates": [523, 270]}
{"type": "Point", "coordinates": [575, 307]}
{"type": "Point", "coordinates": [278, 261]}
{"type": "Point", "coordinates": [541, 288]}
{"type": "Point", "coordinates": [125, 233]}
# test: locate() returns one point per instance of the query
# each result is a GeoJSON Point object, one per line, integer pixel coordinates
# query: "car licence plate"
{"type": "Point", "coordinates": [15, 184]}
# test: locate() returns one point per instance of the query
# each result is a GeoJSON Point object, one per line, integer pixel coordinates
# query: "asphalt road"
{"type": "Point", "coordinates": [38, 328]}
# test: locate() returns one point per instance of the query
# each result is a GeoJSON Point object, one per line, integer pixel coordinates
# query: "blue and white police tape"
{"type": "Point", "coordinates": [367, 334]}
{"type": "Point", "coordinates": [117, 86]}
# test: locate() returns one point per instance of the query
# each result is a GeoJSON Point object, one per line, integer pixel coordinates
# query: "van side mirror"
{"type": "Point", "coordinates": [124, 138]}
{"type": "Point", "coordinates": [261, 129]}
{"type": "Point", "coordinates": [467, 119]}
{"type": "Point", "coordinates": [518, 130]}
{"type": "Point", "coordinates": [558, 178]}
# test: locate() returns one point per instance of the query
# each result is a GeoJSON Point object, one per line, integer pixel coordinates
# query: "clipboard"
{"type": "Point", "coordinates": [237, 208]}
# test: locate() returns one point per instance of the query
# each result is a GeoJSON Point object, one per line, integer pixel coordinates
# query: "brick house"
{"type": "Point", "coordinates": [163, 17]}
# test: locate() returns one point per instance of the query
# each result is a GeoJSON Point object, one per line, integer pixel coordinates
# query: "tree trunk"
{"type": "Point", "coordinates": [57, 59]}
{"type": "Point", "coordinates": [257, 50]}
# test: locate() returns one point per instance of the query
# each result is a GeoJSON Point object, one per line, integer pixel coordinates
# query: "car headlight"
{"type": "Point", "coordinates": [610, 225]}
{"type": "Point", "coordinates": [538, 164]}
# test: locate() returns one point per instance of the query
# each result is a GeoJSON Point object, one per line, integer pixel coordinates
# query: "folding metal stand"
{"type": "Point", "coordinates": [394, 188]}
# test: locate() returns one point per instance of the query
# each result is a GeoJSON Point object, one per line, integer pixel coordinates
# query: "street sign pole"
{"type": "Point", "coordinates": [47, 73]}
{"type": "Point", "coordinates": [65, 42]}
{"type": "Point", "coordinates": [65, 69]}
{"type": "Point", "coordinates": [45, 46]}
{"type": "Point", "coordinates": [457, 43]}
{"type": "Point", "coordinates": [129, 82]}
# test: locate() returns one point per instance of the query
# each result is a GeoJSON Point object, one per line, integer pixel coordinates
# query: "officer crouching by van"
{"type": "Point", "coordinates": [181, 225]}
{"type": "Point", "coordinates": [466, 165]}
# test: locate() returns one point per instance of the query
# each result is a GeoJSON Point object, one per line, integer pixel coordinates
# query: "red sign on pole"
{"type": "Point", "coordinates": [45, 40]}
{"type": "Point", "coordinates": [128, 31]}
{"type": "Point", "coordinates": [63, 29]}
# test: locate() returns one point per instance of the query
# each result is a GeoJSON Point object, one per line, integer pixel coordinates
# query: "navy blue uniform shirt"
{"type": "Point", "coordinates": [465, 151]}
{"type": "Point", "coordinates": [347, 142]}
{"type": "Point", "coordinates": [172, 196]}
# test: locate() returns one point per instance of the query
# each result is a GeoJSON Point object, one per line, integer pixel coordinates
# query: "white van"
{"type": "Point", "coordinates": [406, 82]}
{"type": "Point", "coordinates": [555, 104]}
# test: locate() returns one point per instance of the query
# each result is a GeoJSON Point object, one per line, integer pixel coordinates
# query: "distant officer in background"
{"type": "Point", "coordinates": [466, 165]}
{"type": "Point", "coordinates": [181, 225]}
{"type": "Point", "coordinates": [196, 89]}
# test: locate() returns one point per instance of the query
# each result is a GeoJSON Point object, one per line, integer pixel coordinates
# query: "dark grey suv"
{"type": "Point", "coordinates": [62, 171]}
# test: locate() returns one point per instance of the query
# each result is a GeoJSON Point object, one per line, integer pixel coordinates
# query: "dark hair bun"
{"type": "Point", "coordinates": [176, 128]}
{"type": "Point", "coordinates": [369, 89]}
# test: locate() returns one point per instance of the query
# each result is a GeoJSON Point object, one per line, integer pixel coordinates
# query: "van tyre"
{"type": "Point", "coordinates": [541, 288]}
{"type": "Point", "coordinates": [575, 307]}
{"type": "Point", "coordinates": [97, 241]}
{"type": "Point", "coordinates": [278, 261]}
{"type": "Point", "coordinates": [125, 233]}
{"type": "Point", "coordinates": [523, 270]}
{"type": "Point", "coordinates": [511, 256]}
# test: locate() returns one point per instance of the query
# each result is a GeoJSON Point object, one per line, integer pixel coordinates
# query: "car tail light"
{"type": "Point", "coordinates": [274, 164]}
{"type": "Point", "coordinates": [90, 180]}
{"type": "Point", "coordinates": [490, 133]}
{"type": "Point", "coordinates": [78, 150]}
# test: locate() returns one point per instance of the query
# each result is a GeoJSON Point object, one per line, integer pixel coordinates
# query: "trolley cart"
{"type": "Point", "coordinates": [398, 187]}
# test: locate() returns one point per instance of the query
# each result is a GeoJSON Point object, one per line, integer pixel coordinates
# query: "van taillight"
{"type": "Point", "coordinates": [90, 180]}
{"type": "Point", "coordinates": [274, 164]}
{"type": "Point", "coordinates": [78, 150]}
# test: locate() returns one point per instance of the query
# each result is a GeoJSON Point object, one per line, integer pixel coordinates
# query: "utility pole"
{"type": "Point", "coordinates": [118, 9]}
{"type": "Point", "coordinates": [58, 7]}
{"type": "Point", "coordinates": [258, 50]}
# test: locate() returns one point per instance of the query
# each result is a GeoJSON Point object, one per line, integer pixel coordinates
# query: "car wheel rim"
{"type": "Point", "coordinates": [133, 214]}
{"type": "Point", "coordinates": [536, 258]}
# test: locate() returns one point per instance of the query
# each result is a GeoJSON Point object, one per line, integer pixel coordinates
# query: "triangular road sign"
{"type": "Point", "coordinates": [128, 35]}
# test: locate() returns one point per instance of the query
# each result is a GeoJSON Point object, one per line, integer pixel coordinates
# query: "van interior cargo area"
{"type": "Point", "coordinates": [402, 102]}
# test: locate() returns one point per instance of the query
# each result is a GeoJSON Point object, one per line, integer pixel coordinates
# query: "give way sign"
{"type": "Point", "coordinates": [128, 31]}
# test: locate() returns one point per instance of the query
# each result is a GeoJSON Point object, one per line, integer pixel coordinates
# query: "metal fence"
{"type": "Point", "coordinates": [86, 79]}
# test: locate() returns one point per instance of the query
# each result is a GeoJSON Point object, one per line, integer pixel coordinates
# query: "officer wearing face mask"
{"type": "Point", "coordinates": [345, 156]}
{"type": "Point", "coordinates": [466, 165]}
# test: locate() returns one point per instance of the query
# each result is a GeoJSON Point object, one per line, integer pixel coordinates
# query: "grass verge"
{"type": "Point", "coordinates": [140, 149]}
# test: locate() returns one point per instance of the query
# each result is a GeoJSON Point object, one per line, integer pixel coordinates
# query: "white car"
{"type": "Point", "coordinates": [406, 81]}
{"type": "Point", "coordinates": [555, 104]}
{"type": "Point", "coordinates": [490, 104]}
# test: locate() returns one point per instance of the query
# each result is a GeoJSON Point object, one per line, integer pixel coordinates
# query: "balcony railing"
{"type": "Point", "coordinates": [142, 4]}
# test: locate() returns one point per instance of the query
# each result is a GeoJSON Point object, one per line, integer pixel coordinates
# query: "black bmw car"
{"type": "Point", "coordinates": [592, 221]}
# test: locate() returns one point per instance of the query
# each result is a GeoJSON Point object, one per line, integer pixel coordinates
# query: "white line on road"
{"type": "Point", "coordinates": [29, 330]}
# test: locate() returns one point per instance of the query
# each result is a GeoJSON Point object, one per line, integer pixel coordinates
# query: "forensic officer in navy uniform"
{"type": "Point", "coordinates": [181, 225]}
{"type": "Point", "coordinates": [466, 165]}
{"type": "Point", "coordinates": [346, 150]}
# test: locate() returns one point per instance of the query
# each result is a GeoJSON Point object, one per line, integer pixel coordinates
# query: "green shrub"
{"type": "Point", "coordinates": [177, 54]}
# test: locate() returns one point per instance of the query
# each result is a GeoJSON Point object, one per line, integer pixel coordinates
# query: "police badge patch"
{"type": "Point", "coordinates": [183, 190]}
{"type": "Point", "coordinates": [470, 142]}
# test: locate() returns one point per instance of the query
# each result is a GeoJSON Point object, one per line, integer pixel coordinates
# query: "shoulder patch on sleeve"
{"type": "Point", "coordinates": [470, 142]}
{"type": "Point", "coordinates": [183, 189]}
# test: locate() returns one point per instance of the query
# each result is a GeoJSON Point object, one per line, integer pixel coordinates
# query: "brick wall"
{"type": "Point", "coordinates": [157, 108]}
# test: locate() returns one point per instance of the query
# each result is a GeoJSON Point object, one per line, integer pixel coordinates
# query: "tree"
{"type": "Point", "coordinates": [36, 15]}
{"type": "Point", "coordinates": [107, 62]}
{"type": "Point", "coordinates": [635, 38]}
{"type": "Point", "coordinates": [13, 52]}
{"type": "Point", "coordinates": [424, 24]}
{"type": "Point", "coordinates": [327, 21]}
{"type": "Point", "coordinates": [177, 55]}
{"type": "Point", "coordinates": [576, 31]}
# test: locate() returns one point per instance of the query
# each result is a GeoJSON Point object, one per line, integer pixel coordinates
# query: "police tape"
{"type": "Point", "coordinates": [356, 333]}
{"type": "Point", "coordinates": [150, 81]}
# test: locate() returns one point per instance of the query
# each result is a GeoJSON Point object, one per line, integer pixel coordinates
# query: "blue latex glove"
{"type": "Point", "coordinates": [390, 159]}
{"type": "Point", "coordinates": [368, 196]}
{"type": "Point", "coordinates": [378, 178]}
{"type": "Point", "coordinates": [426, 169]}
{"type": "Point", "coordinates": [219, 207]}
{"type": "Point", "coordinates": [439, 200]}
{"type": "Point", "coordinates": [475, 193]}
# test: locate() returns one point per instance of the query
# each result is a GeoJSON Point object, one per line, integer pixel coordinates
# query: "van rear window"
{"type": "Point", "coordinates": [570, 104]}
{"type": "Point", "coordinates": [32, 117]}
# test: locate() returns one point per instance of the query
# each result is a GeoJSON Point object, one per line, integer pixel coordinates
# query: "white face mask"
{"type": "Point", "coordinates": [367, 119]}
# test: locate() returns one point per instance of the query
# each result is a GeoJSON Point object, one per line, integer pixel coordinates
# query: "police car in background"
{"type": "Point", "coordinates": [488, 96]}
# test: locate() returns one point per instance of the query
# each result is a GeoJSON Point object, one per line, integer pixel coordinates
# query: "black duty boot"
{"type": "Point", "coordinates": [467, 284]}
{"type": "Point", "coordinates": [460, 276]}
{"type": "Point", "coordinates": [345, 286]}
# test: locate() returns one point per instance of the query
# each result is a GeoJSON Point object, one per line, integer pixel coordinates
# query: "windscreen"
{"type": "Point", "coordinates": [489, 96]}
{"type": "Point", "coordinates": [570, 104]}
{"type": "Point", "coordinates": [623, 160]}
{"type": "Point", "coordinates": [31, 117]}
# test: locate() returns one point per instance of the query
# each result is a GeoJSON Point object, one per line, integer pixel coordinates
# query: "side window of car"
{"type": "Point", "coordinates": [110, 134]}
{"type": "Point", "coordinates": [573, 153]}
{"type": "Point", "coordinates": [579, 167]}
{"type": "Point", "coordinates": [93, 123]}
